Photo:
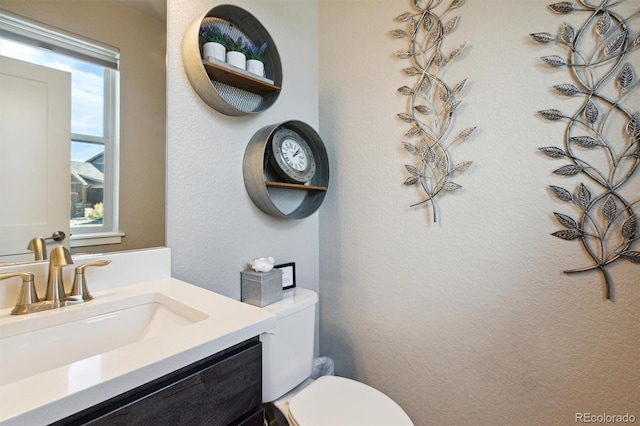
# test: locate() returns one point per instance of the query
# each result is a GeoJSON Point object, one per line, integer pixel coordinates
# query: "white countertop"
{"type": "Point", "coordinates": [60, 392]}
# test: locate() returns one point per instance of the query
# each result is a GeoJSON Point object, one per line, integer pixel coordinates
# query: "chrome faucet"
{"type": "Point", "coordinates": [55, 294]}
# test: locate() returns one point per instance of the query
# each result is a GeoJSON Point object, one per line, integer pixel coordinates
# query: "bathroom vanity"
{"type": "Point", "coordinates": [148, 349]}
{"type": "Point", "coordinates": [223, 389]}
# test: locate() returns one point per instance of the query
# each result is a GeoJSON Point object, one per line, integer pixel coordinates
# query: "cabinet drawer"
{"type": "Point", "coordinates": [216, 391]}
{"type": "Point", "coordinates": [254, 419]}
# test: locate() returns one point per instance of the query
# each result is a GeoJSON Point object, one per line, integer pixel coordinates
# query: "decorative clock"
{"type": "Point", "coordinates": [286, 170]}
{"type": "Point", "coordinates": [291, 156]}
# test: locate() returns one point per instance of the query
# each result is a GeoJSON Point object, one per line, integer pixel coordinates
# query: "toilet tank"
{"type": "Point", "coordinates": [287, 351]}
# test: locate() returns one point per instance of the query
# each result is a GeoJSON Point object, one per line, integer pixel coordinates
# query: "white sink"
{"type": "Point", "coordinates": [58, 362]}
{"type": "Point", "coordinates": [37, 344]}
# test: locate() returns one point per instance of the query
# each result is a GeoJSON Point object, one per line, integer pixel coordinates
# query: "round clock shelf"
{"type": "Point", "coordinates": [268, 190]}
{"type": "Point", "coordinates": [225, 88]}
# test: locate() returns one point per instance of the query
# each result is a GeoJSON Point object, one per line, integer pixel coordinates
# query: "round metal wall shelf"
{"type": "Point", "coordinates": [269, 193]}
{"type": "Point", "coordinates": [225, 88]}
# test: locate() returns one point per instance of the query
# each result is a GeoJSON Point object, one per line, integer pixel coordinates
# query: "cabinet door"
{"type": "Point", "coordinates": [217, 394]}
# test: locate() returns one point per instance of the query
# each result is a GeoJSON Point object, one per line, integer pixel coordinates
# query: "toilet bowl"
{"type": "Point", "coordinates": [287, 357]}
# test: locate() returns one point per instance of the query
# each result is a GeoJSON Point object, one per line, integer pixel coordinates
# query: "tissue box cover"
{"type": "Point", "coordinates": [261, 288]}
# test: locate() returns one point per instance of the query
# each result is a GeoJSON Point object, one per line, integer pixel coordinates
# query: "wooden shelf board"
{"type": "Point", "coordinates": [239, 79]}
{"type": "Point", "coordinates": [294, 186]}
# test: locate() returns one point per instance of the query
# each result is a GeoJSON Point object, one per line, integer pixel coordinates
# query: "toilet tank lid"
{"type": "Point", "coordinates": [293, 300]}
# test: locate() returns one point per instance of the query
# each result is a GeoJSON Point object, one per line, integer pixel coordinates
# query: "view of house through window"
{"type": "Point", "coordinates": [93, 132]}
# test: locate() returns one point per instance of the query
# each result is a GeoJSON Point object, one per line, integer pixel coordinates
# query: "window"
{"type": "Point", "coordinates": [94, 117]}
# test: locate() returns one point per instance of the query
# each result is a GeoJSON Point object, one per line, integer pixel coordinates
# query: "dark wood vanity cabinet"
{"type": "Point", "coordinates": [223, 389]}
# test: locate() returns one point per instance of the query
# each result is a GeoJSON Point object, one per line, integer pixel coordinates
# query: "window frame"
{"type": "Point", "coordinates": [83, 235]}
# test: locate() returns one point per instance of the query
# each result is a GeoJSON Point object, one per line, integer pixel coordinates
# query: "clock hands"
{"type": "Point", "coordinates": [293, 158]}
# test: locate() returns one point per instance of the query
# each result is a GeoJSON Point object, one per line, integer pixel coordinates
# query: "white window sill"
{"type": "Point", "coordinates": [97, 239]}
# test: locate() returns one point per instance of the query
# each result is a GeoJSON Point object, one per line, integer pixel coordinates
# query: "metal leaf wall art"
{"type": "Point", "coordinates": [431, 103]}
{"type": "Point", "coordinates": [600, 149]}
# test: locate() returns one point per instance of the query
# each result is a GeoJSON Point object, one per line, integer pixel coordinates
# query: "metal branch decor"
{"type": "Point", "coordinates": [431, 102]}
{"type": "Point", "coordinates": [601, 142]}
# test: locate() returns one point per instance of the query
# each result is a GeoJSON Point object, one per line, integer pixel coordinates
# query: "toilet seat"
{"type": "Point", "coordinates": [338, 401]}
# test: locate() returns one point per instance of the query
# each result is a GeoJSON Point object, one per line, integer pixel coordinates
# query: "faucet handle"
{"type": "Point", "coordinates": [28, 294]}
{"type": "Point", "coordinates": [80, 290]}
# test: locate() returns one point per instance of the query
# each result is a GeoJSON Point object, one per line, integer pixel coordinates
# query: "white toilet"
{"type": "Point", "coordinates": [287, 358]}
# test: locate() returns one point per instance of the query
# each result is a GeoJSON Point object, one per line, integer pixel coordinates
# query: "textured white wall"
{"type": "Point", "coordinates": [213, 228]}
{"type": "Point", "coordinates": [469, 320]}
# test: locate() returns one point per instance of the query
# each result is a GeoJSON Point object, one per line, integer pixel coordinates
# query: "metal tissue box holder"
{"type": "Point", "coordinates": [261, 288]}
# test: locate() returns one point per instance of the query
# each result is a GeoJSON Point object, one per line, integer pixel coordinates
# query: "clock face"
{"type": "Point", "coordinates": [292, 157]}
